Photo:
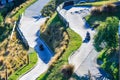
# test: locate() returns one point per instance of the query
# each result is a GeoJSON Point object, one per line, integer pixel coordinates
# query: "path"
{"type": "Point", "coordinates": [30, 26]}
{"type": "Point", "coordinates": [84, 58]}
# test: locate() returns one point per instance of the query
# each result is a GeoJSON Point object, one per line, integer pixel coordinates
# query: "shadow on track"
{"type": "Point", "coordinates": [44, 54]}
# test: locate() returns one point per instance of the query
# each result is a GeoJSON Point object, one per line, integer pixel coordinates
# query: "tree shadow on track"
{"type": "Point", "coordinates": [45, 54]}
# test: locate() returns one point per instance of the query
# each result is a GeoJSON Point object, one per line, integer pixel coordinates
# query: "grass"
{"type": "Point", "coordinates": [53, 32]}
{"type": "Point", "coordinates": [54, 19]}
{"type": "Point", "coordinates": [74, 44]}
{"type": "Point", "coordinates": [98, 3]}
{"type": "Point", "coordinates": [32, 61]}
{"type": "Point", "coordinates": [54, 73]}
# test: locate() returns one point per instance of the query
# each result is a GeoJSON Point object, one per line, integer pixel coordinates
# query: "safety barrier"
{"type": "Point", "coordinates": [20, 34]}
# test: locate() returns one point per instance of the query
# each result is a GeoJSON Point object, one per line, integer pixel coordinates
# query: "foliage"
{"type": "Point", "coordinates": [92, 19]}
{"type": "Point", "coordinates": [107, 32]}
{"type": "Point", "coordinates": [1, 19]}
{"type": "Point", "coordinates": [18, 2]}
{"type": "Point", "coordinates": [33, 60]}
{"type": "Point", "coordinates": [55, 36]}
{"type": "Point", "coordinates": [17, 54]}
{"type": "Point", "coordinates": [16, 12]}
{"type": "Point", "coordinates": [95, 11]}
{"type": "Point", "coordinates": [110, 63]}
{"type": "Point", "coordinates": [109, 57]}
{"type": "Point", "coordinates": [97, 3]}
{"type": "Point", "coordinates": [5, 31]}
{"type": "Point", "coordinates": [50, 8]}
{"type": "Point", "coordinates": [54, 72]}
{"type": "Point", "coordinates": [67, 70]}
{"type": "Point", "coordinates": [54, 33]}
{"type": "Point", "coordinates": [106, 9]}
{"type": "Point", "coordinates": [9, 6]}
{"type": "Point", "coordinates": [13, 53]}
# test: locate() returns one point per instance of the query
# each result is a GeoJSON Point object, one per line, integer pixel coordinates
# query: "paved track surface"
{"type": "Point", "coordinates": [30, 26]}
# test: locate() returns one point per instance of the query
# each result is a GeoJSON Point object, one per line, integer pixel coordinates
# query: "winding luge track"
{"type": "Point", "coordinates": [30, 26]}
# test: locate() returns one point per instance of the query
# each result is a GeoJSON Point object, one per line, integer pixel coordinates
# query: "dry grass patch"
{"type": "Point", "coordinates": [15, 57]}
{"type": "Point", "coordinates": [106, 9]}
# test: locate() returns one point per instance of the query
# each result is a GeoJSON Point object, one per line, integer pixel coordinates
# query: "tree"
{"type": "Point", "coordinates": [107, 33]}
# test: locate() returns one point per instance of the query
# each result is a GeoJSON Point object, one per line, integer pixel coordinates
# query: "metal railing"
{"type": "Point", "coordinates": [20, 34]}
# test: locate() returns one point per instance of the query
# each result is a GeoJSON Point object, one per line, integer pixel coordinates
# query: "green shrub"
{"type": "Point", "coordinates": [1, 19]}
{"type": "Point", "coordinates": [102, 55]}
{"type": "Point", "coordinates": [115, 73]}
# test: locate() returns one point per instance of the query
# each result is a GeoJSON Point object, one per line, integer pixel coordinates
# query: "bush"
{"type": "Point", "coordinates": [110, 63]}
{"type": "Point", "coordinates": [49, 9]}
{"type": "Point", "coordinates": [9, 6]}
{"type": "Point", "coordinates": [106, 9]}
{"type": "Point", "coordinates": [67, 70]}
{"type": "Point", "coordinates": [18, 2]}
{"type": "Point", "coordinates": [95, 11]}
{"type": "Point", "coordinates": [1, 19]}
{"type": "Point", "coordinates": [109, 8]}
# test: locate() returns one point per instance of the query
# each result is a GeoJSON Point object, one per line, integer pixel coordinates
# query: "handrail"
{"type": "Point", "coordinates": [21, 34]}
